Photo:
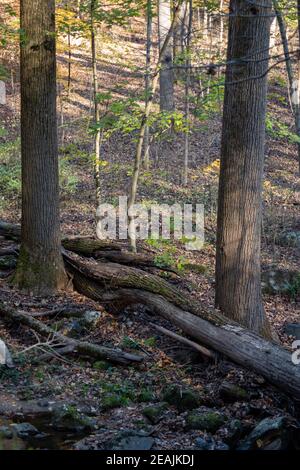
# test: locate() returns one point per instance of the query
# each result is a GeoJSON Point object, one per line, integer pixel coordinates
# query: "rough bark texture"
{"type": "Point", "coordinates": [238, 289]}
{"type": "Point", "coordinates": [166, 76]}
{"type": "Point", "coordinates": [40, 267]}
{"type": "Point", "coordinates": [117, 286]}
{"type": "Point", "coordinates": [94, 350]}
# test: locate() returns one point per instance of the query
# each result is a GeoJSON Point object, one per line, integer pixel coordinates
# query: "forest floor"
{"type": "Point", "coordinates": [103, 403]}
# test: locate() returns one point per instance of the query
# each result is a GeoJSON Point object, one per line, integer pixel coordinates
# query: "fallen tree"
{"type": "Point", "coordinates": [116, 286]}
{"type": "Point", "coordinates": [83, 347]}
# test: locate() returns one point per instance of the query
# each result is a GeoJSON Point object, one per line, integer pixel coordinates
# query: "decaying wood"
{"type": "Point", "coordinates": [116, 286]}
{"type": "Point", "coordinates": [240, 345]}
{"type": "Point", "coordinates": [112, 355]}
{"type": "Point", "coordinates": [201, 349]}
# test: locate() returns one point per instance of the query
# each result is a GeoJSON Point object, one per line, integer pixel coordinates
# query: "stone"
{"type": "Point", "coordinates": [184, 398]}
{"type": "Point", "coordinates": [155, 413]}
{"type": "Point", "coordinates": [25, 430]}
{"type": "Point", "coordinates": [68, 418]}
{"type": "Point", "coordinates": [6, 432]}
{"type": "Point", "coordinates": [209, 421]}
{"type": "Point", "coordinates": [292, 329]}
{"type": "Point", "coordinates": [234, 430]}
{"type": "Point", "coordinates": [8, 262]}
{"type": "Point", "coordinates": [130, 440]}
{"type": "Point", "coordinates": [230, 392]}
{"type": "Point", "coordinates": [209, 444]}
{"type": "Point", "coordinates": [268, 434]}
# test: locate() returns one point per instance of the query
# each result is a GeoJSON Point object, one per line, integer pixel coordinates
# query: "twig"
{"type": "Point", "coordinates": [188, 342]}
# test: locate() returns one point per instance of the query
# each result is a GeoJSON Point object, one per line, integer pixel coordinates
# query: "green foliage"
{"type": "Point", "coordinates": [210, 104]}
{"type": "Point", "coordinates": [278, 130]}
{"type": "Point", "coordinates": [67, 179]}
{"type": "Point", "coordinates": [115, 395]}
{"type": "Point", "coordinates": [129, 343]}
{"type": "Point", "coordinates": [10, 168]}
{"type": "Point", "coordinates": [294, 287]}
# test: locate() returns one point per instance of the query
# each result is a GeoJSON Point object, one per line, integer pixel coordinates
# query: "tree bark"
{"type": "Point", "coordinates": [166, 75]}
{"type": "Point", "coordinates": [40, 267]}
{"type": "Point", "coordinates": [238, 284]}
{"type": "Point", "coordinates": [97, 161]}
{"type": "Point", "coordinates": [117, 287]}
{"type": "Point", "coordinates": [94, 350]}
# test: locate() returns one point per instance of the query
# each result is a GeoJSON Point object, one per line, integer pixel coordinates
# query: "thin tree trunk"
{"type": "Point", "coordinates": [166, 75]}
{"type": "Point", "coordinates": [40, 266]}
{"type": "Point", "coordinates": [148, 81]}
{"type": "Point", "coordinates": [186, 95]}
{"type": "Point", "coordinates": [96, 104]}
{"type": "Point", "coordinates": [138, 154]}
{"type": "Point", "coordinates": [294, 85]}
{"type": "Point", "coordinates": [238, 284]}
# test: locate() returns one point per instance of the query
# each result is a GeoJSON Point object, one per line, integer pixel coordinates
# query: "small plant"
{"type": "Point", "coordinates": [294, 287]}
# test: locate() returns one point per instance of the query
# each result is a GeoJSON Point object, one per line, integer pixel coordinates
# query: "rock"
{"type": "Point", "coordinates": [154, 413]}
{"type": "Point", "coordinates": [279, 281]}
{"type": "Point", "coordinates": [234, 432]}
{"type": "Point", "coordinates": [184, 398]}
{"type": "Point", "coordinates": [292, 329]}
{"type": "Point", "coordinates": [291, 238]}
{"type": "Point", "coordinates": [270, 433]}
{"type": "Point", "coordinates": [5, 356]}
{"type": "Point", "coordinates": [130, 440]}
{"type": "Point", "coordinates": [8, 262]}
{"type": "Point", "coordinates": [209, 444]}
{"type": "Point", "coordinates": [209, 421]}
{"type": "Point", "coordinates": [6, 432]}
{"type": "Point", "coordinates": [68, 418]}
{"type": "Point", "coordinates": [25, 430]}
{"type": "Point", "coordinates": [230, 393]}
{"type": "Point", "coordinates": [91, 317]}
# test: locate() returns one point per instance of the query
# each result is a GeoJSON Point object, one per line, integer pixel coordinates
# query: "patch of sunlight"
{"type": "Point", "coordinates": [213, 167]}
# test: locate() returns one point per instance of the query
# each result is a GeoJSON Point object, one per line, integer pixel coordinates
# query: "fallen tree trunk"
{"type": "Point", "coordinates": [238, 344]}
{"type": "Point", "coordinates": [83, 347]}
{"type": "Point", "coordinates": [117, 286]}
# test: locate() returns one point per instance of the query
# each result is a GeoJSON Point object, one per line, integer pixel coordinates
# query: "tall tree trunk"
{"type": "Point", "coordinates": [149, 14]}
{"type": "Point", "coordinates": [139, 147]}
{"type": "Point", "coordinates": [186, 93]}
{"type": "Point", "coordinates": [97, 157]}
{"type": "Point", "coordinates": [297, 118]}
{"type": "Point", "coordinates": [293, 85]}
{"type": "Point", "coordinates": [166, 75]}
{"type": "Point", "coordinates": [238, 288]}
{"type": "Point", "coordinates": [40, 267]}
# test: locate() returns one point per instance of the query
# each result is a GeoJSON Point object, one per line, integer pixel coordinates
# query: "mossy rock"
{"type": "Point", "coordinates": [230, 393]}
{"type": "Point", "coordinates": [184, 398]}
{"type": "Point", "coordinates": [209, 421]}
{"type": "Point", "coordinates": [154, 413]}
{"type": "Point", "coordinates": [68, 418]}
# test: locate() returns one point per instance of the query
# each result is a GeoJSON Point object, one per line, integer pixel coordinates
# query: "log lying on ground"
{"type": "Point", "coordinates": [108, 250]}
{"type": "Point", "coordinates": [117, 286]}
{"type": "Point", "coordinates": [116, 356]}
{"type": "Point", "coordinates": [238, 344]}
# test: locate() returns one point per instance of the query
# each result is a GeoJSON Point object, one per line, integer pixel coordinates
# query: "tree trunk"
{"type": "Point", "coordinates": [117, 287]}
{"type": "Point", "coordinates": [166, 75]}
{"type": "Point", "coordinates": [96, 104]}
{"type": "Point", "coordinates": [40, 267]}
{"type": "Point", "coordinates": [149, 15]}
{"type": "Point", "coordinates": [186, 92]}
{"type": "Point", "coordinates": [293, 85]}
{"type": "Point", "coordinates": [238, 284]}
